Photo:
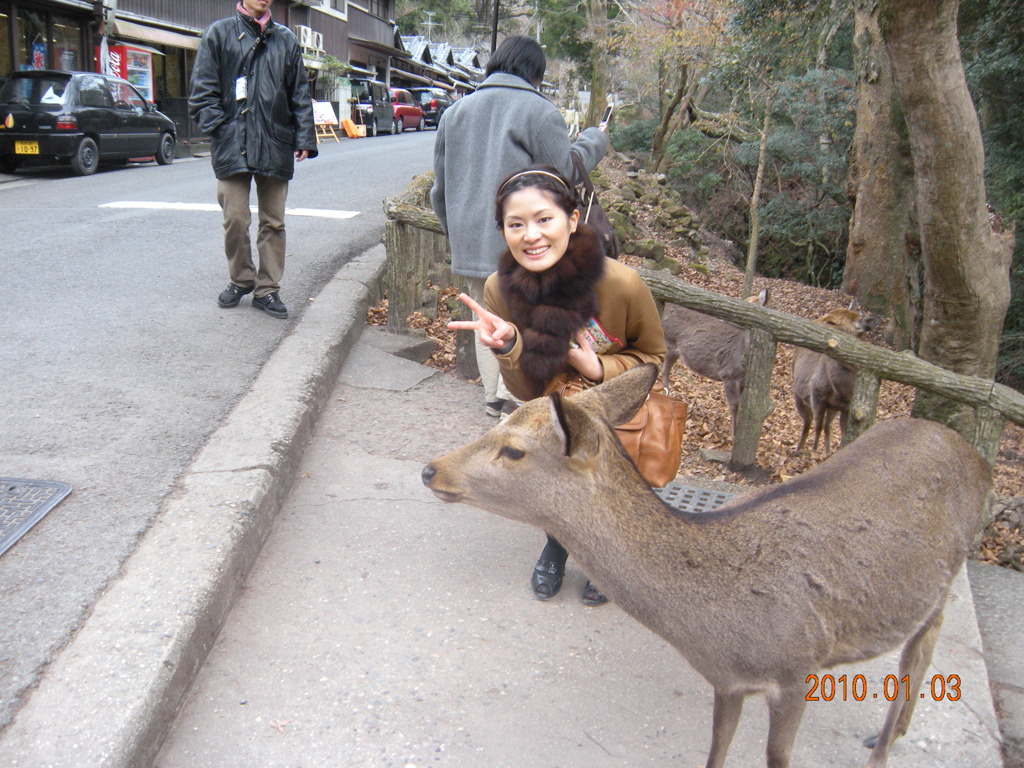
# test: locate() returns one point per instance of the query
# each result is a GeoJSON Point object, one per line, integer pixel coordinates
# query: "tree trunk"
{"type": "Point", "coordinates": [661, 133]}
{"type": "Point", "coordinates": [695, 92]}
{"type": "Point", "coordinates": [966, 264]}
{"type": "Point", "coordinates": [884, 251]}
{"type": "Point", "coordinates": [829, 29]}
{"type": "Point", "coordinates": [597, 25]}
{"type": "Point", "coordinates": [755, 202]}
{"type": "Point", "coordinates": [662, 87]}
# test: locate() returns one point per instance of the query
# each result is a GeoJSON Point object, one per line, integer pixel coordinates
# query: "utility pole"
{"type": "Point", "coordinates": [494, 27]}
{"type": "Point", "coordinates": [430, 24]}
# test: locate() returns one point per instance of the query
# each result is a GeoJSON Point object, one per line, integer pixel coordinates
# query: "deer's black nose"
{"type": "Point", "coordinates": [428, 474]}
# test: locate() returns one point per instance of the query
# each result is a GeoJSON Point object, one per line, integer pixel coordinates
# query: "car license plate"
{"type": "Point", "coordinates": [26, 147]}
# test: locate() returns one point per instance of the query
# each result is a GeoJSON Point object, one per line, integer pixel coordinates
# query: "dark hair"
{"type": "Point", "coordinates": [542, 177]}
{"type": "Point", "coordinates": [520, 56]}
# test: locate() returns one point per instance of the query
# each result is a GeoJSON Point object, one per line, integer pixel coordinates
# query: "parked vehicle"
{"type": "Point", "coordinates": [81, 118]}
{"type": "Point", "coordinates": [433, 102]}
{"type": "Point", "coordinates": [372, 102]}
{"type": "Point", "coordinates": [408, 113]}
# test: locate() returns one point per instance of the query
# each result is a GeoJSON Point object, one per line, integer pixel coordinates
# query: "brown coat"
{"type": "Point", "coordinates": [627, 312]}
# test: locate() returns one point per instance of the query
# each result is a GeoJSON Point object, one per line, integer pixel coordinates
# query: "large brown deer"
{"type": "Point", "coordinates": [822, 386]}
{"type": "Point", "coordinates": [708, 346]}
{"type": "Point", "coordinates": [835, 566]}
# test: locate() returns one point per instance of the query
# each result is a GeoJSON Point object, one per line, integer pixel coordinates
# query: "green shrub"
{"type": "Point", "coordinates": [635, 137]}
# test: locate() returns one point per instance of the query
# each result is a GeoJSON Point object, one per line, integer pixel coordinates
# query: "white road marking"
{"type": "Point", "coordinates": [321, 213]}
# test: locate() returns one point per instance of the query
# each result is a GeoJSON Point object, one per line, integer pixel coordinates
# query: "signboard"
{"type": "Point", "coordinates": [323, 113]}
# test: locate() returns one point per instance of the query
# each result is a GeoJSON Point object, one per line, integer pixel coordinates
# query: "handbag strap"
{"type": "Point", "coordinates": [580, 176]}
{"type": "Point", "coordinates": [582, 179]}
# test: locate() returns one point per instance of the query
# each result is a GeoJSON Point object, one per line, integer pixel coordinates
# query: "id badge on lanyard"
{"type": "Point", "coordinates": [242, 81]}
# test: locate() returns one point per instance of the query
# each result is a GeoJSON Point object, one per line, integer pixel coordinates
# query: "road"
{"type": "Point", "coordinates": [117, 363]}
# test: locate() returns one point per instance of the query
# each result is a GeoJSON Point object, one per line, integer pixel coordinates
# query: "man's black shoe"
{"type": "Point", "coordinates": [231, 295]}
{"type": "Point", "coordinates": [271, 304]}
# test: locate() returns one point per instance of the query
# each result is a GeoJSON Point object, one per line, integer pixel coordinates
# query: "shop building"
{"type": "Point", "coordinates": [153, 44]}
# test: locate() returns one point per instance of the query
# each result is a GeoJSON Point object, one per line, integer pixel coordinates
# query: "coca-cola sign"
{"type": "Point", "coordinates": [116, 61]}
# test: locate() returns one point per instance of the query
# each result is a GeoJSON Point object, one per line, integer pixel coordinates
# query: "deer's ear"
{"type": "Point", "coordinates": [620, 398]}
{"type": "Point", "coordinates": [868, 323]}
{"type": "Point", "coordinates": [574, 426]}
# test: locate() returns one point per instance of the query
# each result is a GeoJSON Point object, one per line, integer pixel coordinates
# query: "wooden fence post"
{"type": "Point", "coordinates": [756, 400]}
{"type": "Point", "coordinates": [863, 406]}
{"type": "Point", "coordinates": [988, 428]}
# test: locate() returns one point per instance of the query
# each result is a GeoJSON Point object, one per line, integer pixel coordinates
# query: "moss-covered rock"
{"type": "Point", "coordinates": [671, 265]}
{"type": "Point", "coordinates": [625, 193]}
{"type": "Point", "coordinates": [647, 248]}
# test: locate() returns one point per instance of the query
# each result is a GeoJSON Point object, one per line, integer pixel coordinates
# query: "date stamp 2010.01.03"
{"type": "Point", "coordinates": [857, 688]}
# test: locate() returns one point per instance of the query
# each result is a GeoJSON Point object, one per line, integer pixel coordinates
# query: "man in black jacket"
{"type": "Point", "coordinates": [249, 93]}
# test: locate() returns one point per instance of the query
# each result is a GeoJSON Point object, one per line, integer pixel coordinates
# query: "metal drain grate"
{"type": "Point", "coordinates": [23, 503]}
{"type": "Point", "coordinates": [687, 498]}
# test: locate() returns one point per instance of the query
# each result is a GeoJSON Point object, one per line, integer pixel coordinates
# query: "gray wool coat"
{"type": "Point", "coordinates": [504, 126]}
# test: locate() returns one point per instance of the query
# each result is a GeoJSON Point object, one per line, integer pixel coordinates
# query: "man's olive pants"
{"type": "Point", "coordinates": [233, 196]}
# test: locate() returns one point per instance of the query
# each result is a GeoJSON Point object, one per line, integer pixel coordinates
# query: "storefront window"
{"type": "Point", "coordinates": [5, 48]}
{"type": "Point", "coordinates": [32, 49]}
{"type": "Point", "coordinates": [44, 42]}
{"type": "Point", "coordinates": [67, 43]}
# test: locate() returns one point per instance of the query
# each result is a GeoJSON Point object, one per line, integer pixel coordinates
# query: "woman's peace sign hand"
{"type": "Point", "coordinates": [495, 332]}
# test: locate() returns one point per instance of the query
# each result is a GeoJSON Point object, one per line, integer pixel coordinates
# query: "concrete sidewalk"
{"type": "Point", "coordinates": [111, 694]}
{"type": "Point", "coordinates": [381, 627]}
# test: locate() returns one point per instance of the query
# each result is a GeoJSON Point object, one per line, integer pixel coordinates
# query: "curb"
{"type": "Point", "coordinates": [111, 695]}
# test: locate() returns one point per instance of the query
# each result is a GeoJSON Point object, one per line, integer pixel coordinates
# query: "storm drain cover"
{"type": "Point", "coordinates": [23, 503]}
{"type": "Point", "coordinates": [687, 498]}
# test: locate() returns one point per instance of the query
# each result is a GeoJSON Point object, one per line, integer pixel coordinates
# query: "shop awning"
{"type": "Point", "coordinates": [83, 4]}
{"type": "Point", "coordinates": [373, 45]}
{"type": "Point", "coordinates": [401, 73]}
{"type": "Point", "coordinates": [154, 35]}
{"type": "Point", "coordinates": [354, 70]}
{"type": "Point", "coordinates": [139, 46]}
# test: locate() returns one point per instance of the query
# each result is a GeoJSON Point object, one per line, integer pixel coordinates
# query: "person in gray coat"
{"type": "Point", "coordinates": [505, 125]}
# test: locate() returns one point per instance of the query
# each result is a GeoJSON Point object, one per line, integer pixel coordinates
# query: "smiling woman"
{"type": "Point", "coordinates": [558, 307]}
{"type": "Point", "coordinates": [537, 230]}
{"type": "Point", "coordinates": [556, 304]}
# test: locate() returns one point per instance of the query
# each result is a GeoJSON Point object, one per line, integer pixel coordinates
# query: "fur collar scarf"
{"type": "Point", "coordinates": [549, 307]}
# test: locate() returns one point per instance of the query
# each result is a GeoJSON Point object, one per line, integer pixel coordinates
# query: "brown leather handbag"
{"type": "Point", "coordinates": [653, 438]}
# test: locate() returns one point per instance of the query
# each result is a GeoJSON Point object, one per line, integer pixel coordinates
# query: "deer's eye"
{"type": "Point", "coordinates": [511, 453]}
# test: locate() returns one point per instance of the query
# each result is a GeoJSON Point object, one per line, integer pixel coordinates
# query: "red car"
{"type": "Point", "coordinates": [408, 113]}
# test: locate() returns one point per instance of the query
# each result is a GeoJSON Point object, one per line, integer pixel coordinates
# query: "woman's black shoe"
{"type": "Point", "coordinates": [547, 578]}
{"type": "Point", "coordinates": [591, 596]}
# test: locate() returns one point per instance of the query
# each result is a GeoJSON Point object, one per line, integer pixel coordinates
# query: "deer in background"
{"type": "Point", "coordinates": [835, 566]}
{"type": "Point", "coordinates": [822, 386]}
{"type": "Point", "coordinates": [710, 347]}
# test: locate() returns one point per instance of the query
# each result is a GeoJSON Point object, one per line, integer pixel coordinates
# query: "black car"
{"type": "Point", "coordinates": [84, 118]}
{"type": "Point", "coordinates": [372, 101]}
{"type": "Point", "coordinates": [433, 101]}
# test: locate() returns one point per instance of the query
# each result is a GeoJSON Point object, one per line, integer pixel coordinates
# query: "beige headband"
{"type": "Point", "coordinates": [510, 179]}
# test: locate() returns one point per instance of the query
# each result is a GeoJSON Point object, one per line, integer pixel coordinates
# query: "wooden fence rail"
{"type": "Point", "coordinates": [994, 402]}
